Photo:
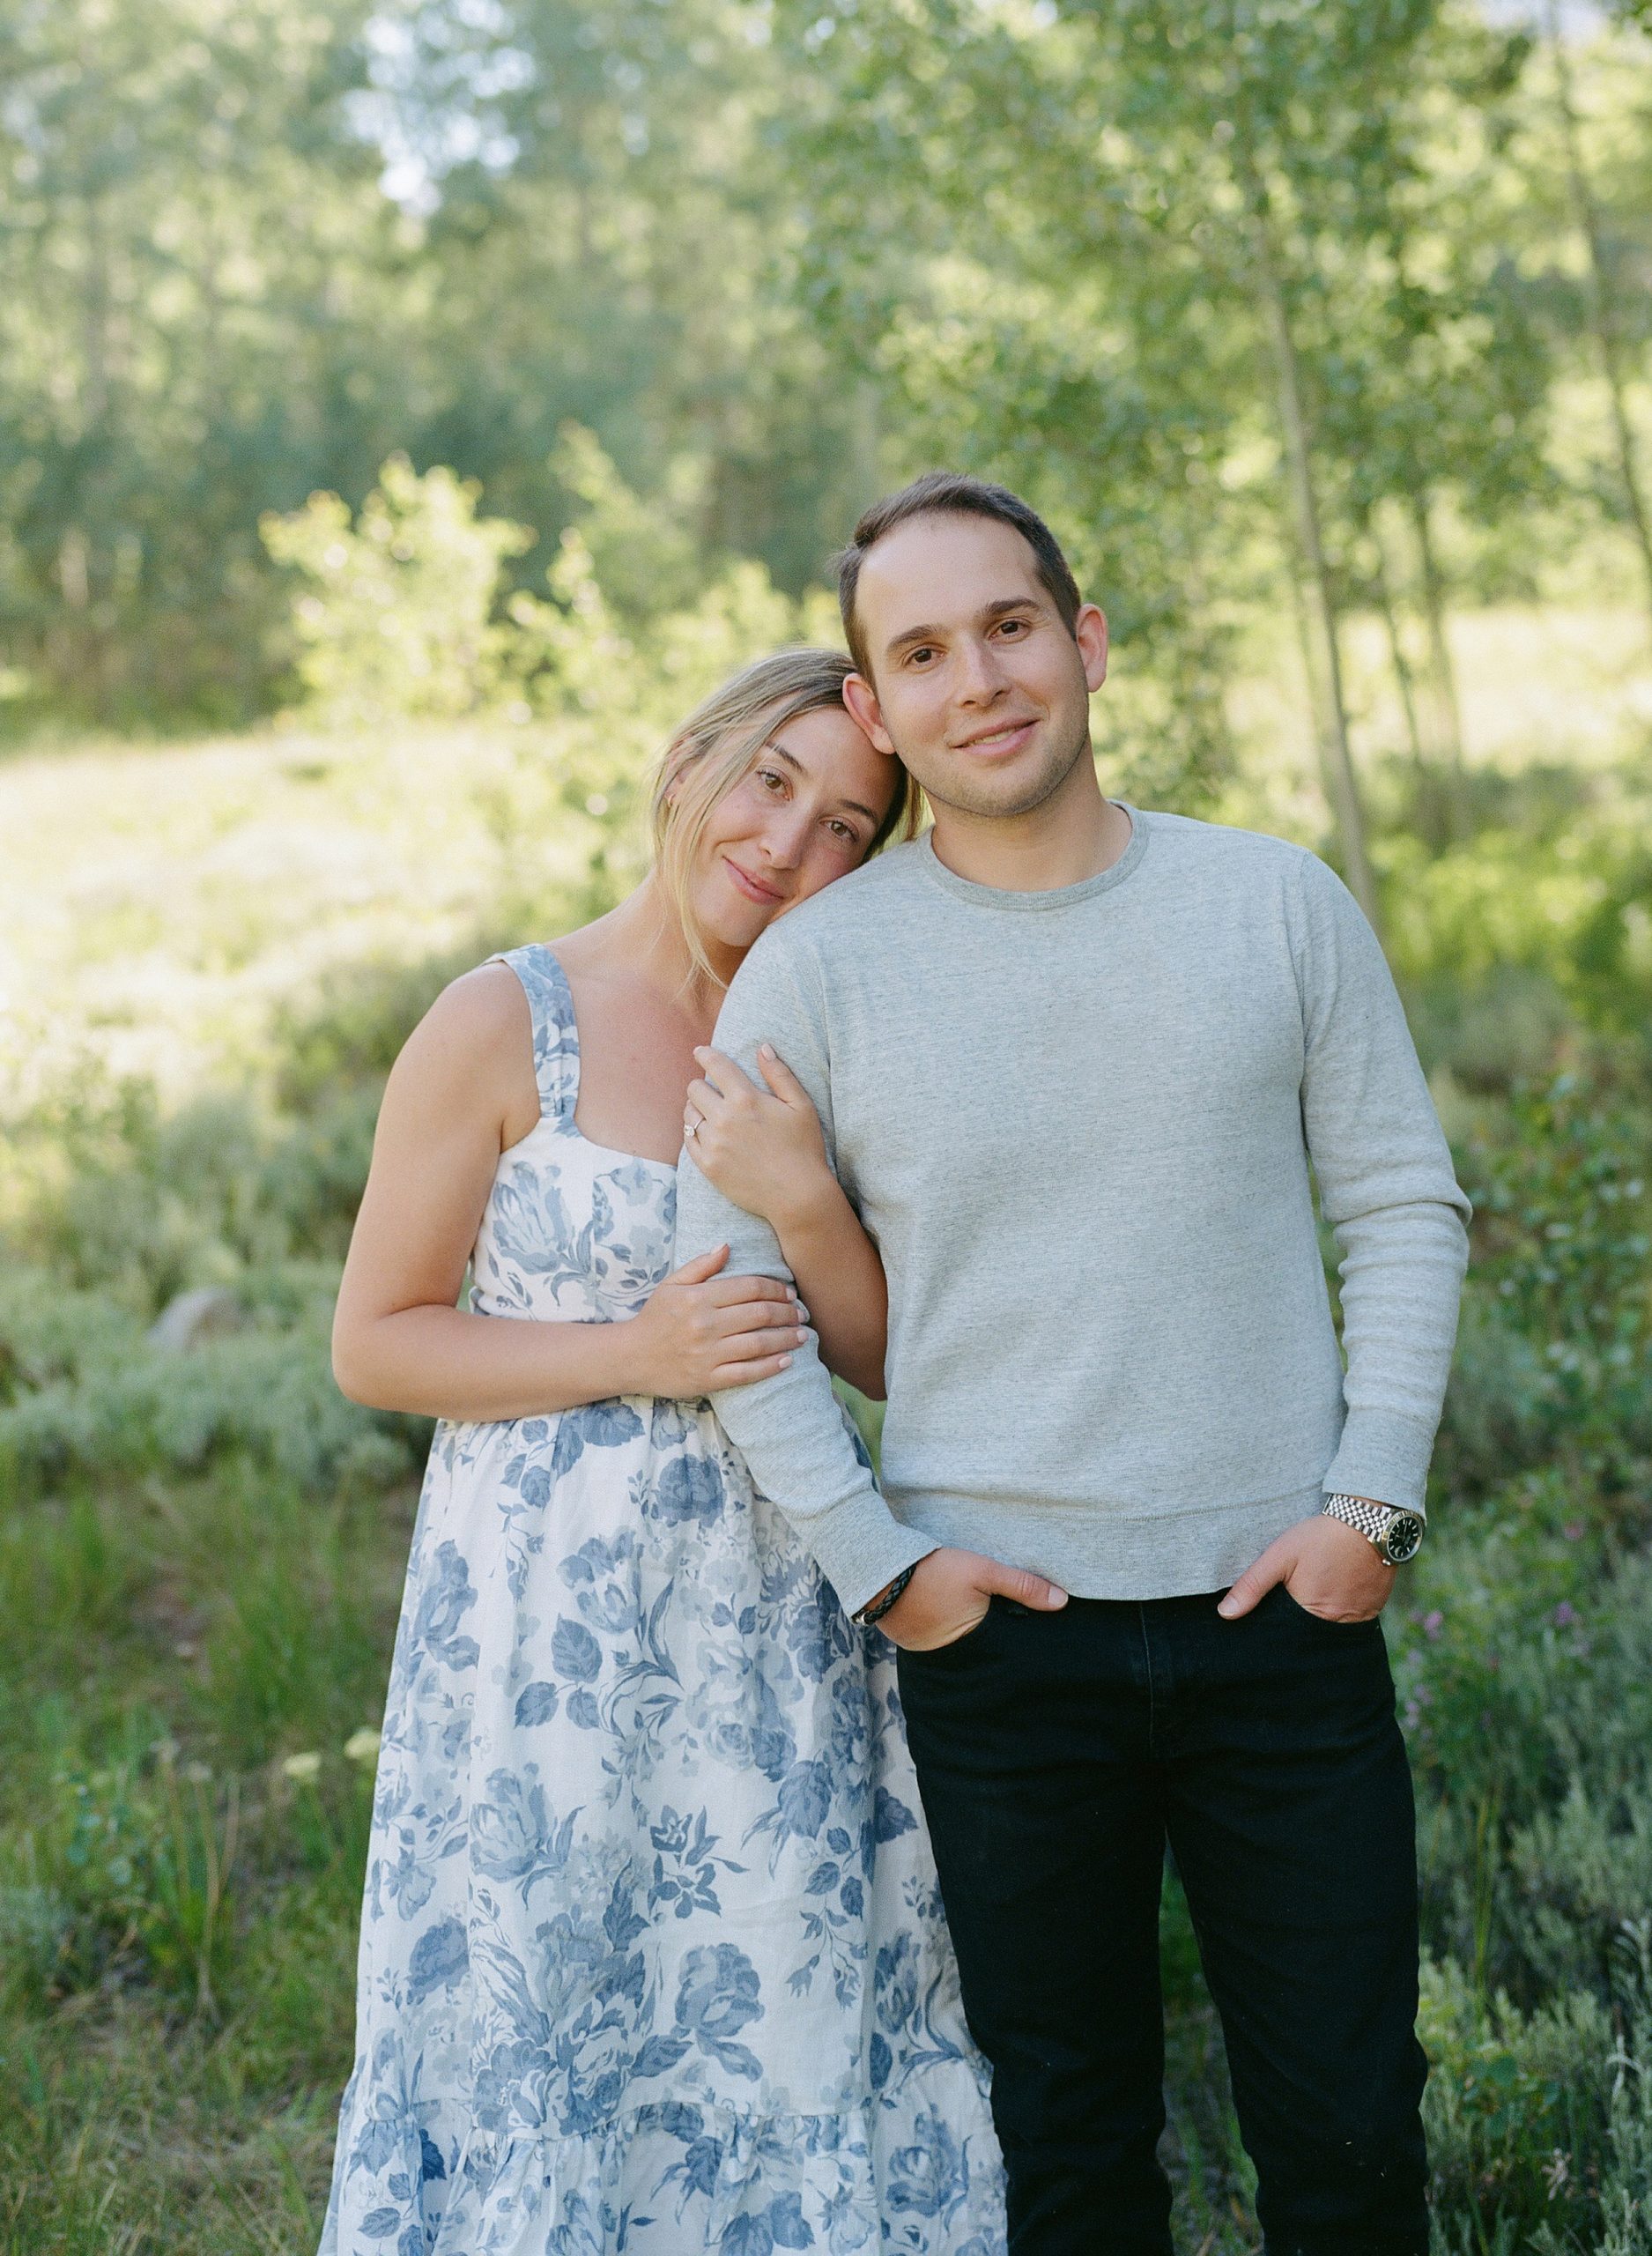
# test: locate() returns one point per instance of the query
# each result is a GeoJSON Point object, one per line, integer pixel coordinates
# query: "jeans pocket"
{"type": "Point", "coordinates": [954, 1645]}
{"type": "Point", "coordinates": [1301, 1613]}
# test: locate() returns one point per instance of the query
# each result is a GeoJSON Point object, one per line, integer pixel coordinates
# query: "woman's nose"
{"type": "Point", "coordinates": [785, 835]}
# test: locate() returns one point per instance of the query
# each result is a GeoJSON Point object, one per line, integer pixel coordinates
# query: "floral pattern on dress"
{"type": "Point", "coordinates": [653, 1959]}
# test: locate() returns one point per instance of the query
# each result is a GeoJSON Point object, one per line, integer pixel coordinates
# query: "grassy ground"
{"type": "Point", "coordinates": [217, 950]}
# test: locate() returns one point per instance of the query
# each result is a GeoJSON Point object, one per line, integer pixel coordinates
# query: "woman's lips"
{"type": "Point", "coordinates": [765, 895]}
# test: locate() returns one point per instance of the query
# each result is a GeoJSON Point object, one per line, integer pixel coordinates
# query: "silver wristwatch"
{"type": "Point", "coordinates": [1397, 1535]}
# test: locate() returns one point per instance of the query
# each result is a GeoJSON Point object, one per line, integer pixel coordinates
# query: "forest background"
{"type": "Point", "coordinates": [405, 411]}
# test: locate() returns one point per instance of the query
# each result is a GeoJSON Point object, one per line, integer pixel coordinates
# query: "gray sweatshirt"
{"type": "Point", "coordinates": [1078, 1125]}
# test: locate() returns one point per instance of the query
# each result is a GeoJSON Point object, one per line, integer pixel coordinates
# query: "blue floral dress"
{"type": "Point", "coordinates": [652, 1951]}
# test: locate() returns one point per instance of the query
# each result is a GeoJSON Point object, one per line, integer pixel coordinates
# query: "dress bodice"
{"type": "Point", "coordinates": [572, 1229]}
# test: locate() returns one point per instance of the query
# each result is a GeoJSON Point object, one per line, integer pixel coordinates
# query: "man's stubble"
{"type": "Point", "coordinates": [958, 798]}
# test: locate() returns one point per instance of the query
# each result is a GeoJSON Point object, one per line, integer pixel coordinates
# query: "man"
{"type": "Point", "coordinates": [1073, 1062]}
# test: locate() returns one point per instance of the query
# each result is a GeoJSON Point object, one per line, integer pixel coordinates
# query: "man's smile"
{"type": "Point", "coordinates": [1003, 737]}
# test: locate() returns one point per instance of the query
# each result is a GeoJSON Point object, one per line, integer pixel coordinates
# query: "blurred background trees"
{"type": "Point", "coordinates": [1330, 305]}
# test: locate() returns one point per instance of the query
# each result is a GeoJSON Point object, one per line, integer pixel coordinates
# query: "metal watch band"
{"type": "Point", "coordinates": [1372, 1520]}
{"type": "Point", "coordinates": [1375, 1522]}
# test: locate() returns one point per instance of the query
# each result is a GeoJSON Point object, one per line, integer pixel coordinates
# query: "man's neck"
{"type": "Point", "coordinates": [1074, 835]}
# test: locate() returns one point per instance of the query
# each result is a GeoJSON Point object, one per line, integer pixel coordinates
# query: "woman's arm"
{"type": "Point", "coordinates": [763, 1149]}
{"type": "Point", "coordinates": [460, 1094]}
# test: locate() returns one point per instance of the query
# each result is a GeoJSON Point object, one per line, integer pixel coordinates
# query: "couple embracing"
{"type": "Point", "coordinates": [764, 1858]}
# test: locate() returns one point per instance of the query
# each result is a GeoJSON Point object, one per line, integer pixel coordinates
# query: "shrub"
{"type": "Point", "coordinates": [1627, 2190]}
{"type": "Point", "coordinates": [1523, 1663]}
{"type": "Point", "coordinates": [267, 1396]}
{"type": "Point", "coordinates": [1517, 2109]}
{"type": "Point", "coordinates": [1562, 1190]}
{"type": "Point", "coordinates": [397, 616]}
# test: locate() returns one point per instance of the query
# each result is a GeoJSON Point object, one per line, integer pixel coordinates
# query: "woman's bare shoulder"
{"type": "Point", "coordinates": [480, 1014]}
{"type": "Point", "coordinates": [473, 1049]}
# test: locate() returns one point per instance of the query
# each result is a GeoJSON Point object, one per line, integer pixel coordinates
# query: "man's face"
{"type": "Point", "coordinates": [975, 680]}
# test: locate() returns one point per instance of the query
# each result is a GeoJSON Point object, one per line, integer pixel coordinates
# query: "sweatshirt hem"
{"type": "Point", "coordinates": [1092, 1551]}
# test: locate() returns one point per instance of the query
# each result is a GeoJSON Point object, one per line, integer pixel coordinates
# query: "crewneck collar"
{"type": "Point", "coordinates": [1016, 902]}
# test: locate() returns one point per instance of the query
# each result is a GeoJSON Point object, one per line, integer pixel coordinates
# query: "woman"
{"type": "Point", "coordinates": [652, 1955]}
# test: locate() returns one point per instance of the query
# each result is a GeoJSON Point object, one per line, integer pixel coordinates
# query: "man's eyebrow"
{"type": "Point", "coordinates": [912, 635]}
{"type": "Point", "coordinates": [995, 610]}
{"type": "Point", "coordinates": [792, 762]}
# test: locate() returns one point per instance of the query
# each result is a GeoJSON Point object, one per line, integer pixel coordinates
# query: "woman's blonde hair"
{"type": "Point", "coordinates": [716, 746]}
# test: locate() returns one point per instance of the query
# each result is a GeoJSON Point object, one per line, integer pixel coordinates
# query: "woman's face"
{"type": "Point", "coordinates": [804, 812]}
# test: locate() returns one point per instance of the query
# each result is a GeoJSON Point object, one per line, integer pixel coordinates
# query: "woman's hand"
{"type": "Point", "coordinates": [699, 1332]}
{"type": "Point", "coordinates": [762, 1148]}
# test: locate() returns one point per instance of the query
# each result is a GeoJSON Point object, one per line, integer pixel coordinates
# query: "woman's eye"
{"type": "Point", "coordinates": [845, 833]}
{"type": "Point", "coordinates": [773, 778]}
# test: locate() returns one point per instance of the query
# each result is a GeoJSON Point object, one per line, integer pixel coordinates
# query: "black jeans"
{"type": "Point", "coordinates": [1057, 1754]}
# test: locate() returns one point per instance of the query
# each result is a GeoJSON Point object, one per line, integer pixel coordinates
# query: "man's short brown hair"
{"type": "Point", "coordinates": [946, 492]}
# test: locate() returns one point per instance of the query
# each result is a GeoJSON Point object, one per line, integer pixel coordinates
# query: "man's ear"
{"type": "Point", "coordinates": [862, 701]}
{"type": "Point", "coordinates": [1090, 632]}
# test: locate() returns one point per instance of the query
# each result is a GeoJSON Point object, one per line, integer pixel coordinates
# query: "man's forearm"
{"type": "Point", "coordinates": [789, 1428]}
{"type": "Point", "coordinates": [840, 1281]}
{"type": "Point", "coordinates": [798, 1449]}
{"type": "Point", "coordinates": [1402, 1279]}
{"type": "Point", "coordinates": [1388, 1190]}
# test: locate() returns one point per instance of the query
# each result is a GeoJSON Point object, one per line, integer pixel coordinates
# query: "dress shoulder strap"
{"type": "Point", "coordinates": [556, 1041]}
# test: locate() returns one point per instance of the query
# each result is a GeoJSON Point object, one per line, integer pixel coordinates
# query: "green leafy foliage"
{"type": "Point", "coordinates": [397, 613]}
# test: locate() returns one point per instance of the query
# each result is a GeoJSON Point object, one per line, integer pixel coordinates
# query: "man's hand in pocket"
{"type": "Point", "coordinates": [950, 1593]}
{"type": "Point", "coordinates": [1329, 1568]}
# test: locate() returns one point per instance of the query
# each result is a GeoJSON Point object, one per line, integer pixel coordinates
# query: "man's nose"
{"type": "Point", "coordinates": [980, 676]}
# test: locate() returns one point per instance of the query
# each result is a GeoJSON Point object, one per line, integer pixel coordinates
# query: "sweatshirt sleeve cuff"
{"type": "Point", "coordinates": [862, 1546]}
{"type": "Point", "coordinates": [1383, 1456]}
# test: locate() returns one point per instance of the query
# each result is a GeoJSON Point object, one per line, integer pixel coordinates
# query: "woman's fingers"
{"type": "Point", "coordinates": [780, 1077]}
{"type": "Point", "coordinates": [703, 1098]}
{"type": "Point", "coordinates": [702, 1268]}
{"type": "Point", "coordinates": [761, 1316]}
{"type": "Point", "coordinates": [746, 1374]}
{"type": "Point", "coordinates": [753, 1347]}
{"type": "Point", "coordinates": [716, 1067]}
{"type": "Point", "coordinates": [727, 1292]}
{"type": "Point", "coordinates": [723, 1081]}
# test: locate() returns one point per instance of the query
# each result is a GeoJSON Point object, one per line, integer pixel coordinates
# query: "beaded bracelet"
{"type": "Point", "coordinates": [880, 1606]}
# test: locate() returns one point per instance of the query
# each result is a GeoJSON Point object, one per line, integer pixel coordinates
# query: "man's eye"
{"type": "Point", "coordinates": [921, 656]}
{"type": "Point", "coordinates": [1012, 626]}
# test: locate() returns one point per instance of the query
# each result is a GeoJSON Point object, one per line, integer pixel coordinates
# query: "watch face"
{"type": "Point", "coordinates": [1404, 1538]}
